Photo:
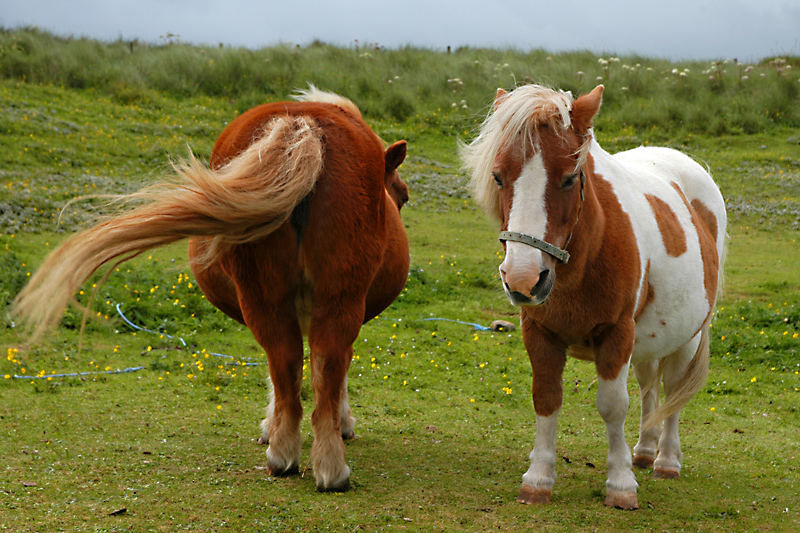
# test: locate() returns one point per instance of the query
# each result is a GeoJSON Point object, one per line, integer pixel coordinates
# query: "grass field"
{"type": "Point", "coordinates": [445, 419]}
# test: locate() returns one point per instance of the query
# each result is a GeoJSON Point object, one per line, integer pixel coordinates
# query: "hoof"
{"type": "Point", "coordinates": [281, 466]}
{"type": "Point", "coordinates": [622, 500]}
{"type": "Point", "coordinates": [642, 461]}
{"type": "Point", "coordinates": [283, 472]}
{"type": "Point", "coordinates": [529, 495]}
{"type": "Point", "coordinates": [342, 486]}
{"type": "Point", "coordinates": [666, 473]}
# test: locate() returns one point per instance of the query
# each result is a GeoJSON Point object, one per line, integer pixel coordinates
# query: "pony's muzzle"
{"type": "Point", "coordinates": [528, 290]}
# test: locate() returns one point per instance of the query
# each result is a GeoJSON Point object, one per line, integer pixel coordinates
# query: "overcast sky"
{"type": "Point", "coordinates": [677, 29]}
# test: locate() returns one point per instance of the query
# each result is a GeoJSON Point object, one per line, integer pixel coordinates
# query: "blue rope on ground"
{"type": "Point", "coordinates": [239, 363]}
{"type": "Point", "coordinates": [215, 354]}
{"type": "Point", "coordinates": [476, 326]}
{"type": "Point", "coordinates": [140, 328]}
{"type": "Point", "coordinates": [79, 374]}
{"type": "Point", "coordinates": [236, 361]}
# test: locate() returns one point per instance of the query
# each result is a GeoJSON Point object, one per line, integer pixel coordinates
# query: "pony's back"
{"type": "Point", "coordinates": [693, 180]}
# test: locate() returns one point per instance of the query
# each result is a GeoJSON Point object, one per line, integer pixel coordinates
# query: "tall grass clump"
{"type": "Point", "coordinates": [416, 85]}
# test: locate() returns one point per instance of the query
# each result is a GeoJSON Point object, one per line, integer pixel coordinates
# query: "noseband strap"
{"type": "Point", "coordinates": [546, 247]}
{"type": "Point", "coordinates": [561, 255]}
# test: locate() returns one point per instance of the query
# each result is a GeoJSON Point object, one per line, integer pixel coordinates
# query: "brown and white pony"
{"type": "Point", "coordinates": [614, 259]}
{"type": "Point", "coordinates": [295, 231]}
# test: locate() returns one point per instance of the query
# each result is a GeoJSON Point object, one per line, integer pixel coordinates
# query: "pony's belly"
{"type": "Point", "coordinates": [678, 300]}
{"type": "Point", "coordinates": [658, 336]}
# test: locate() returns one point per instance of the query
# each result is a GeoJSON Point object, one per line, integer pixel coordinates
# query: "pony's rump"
{"type": "Point", "coordinates": [313, 94]}
{"type": "Point", "coordinates": [242, 201]}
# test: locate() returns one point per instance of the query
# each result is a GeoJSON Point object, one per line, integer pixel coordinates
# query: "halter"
{"type": "Point", "coordinates": [560, 254]}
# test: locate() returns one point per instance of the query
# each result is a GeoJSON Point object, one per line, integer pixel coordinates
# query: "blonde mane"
{"type": "Point", "coordinates": [519, 114]}
{"type": "Point", "coordinates": [312, 94]}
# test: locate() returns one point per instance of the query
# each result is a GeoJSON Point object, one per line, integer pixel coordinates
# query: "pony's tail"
{"type": "Point", "coordinates": [693, 380]}
{"type": "Point", "coordinates": [697, 372]}
{"type": "Point", "coordinates": [245, 200]}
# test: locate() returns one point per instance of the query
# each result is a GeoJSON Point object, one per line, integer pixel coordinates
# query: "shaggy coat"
{"type": "Point", "coordinates": [295, 231]}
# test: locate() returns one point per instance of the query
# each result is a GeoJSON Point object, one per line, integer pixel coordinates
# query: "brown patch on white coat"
{"type": "Point", "coordinates": [671, 232]}
{"type": "Point", "coordinates": [706, 225]}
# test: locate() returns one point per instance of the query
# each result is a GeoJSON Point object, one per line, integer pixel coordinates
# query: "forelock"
{"type": "Point", "coordinates": [520, 114]}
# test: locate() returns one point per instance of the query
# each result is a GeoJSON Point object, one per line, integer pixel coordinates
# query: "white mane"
{"type": "Point", "coordinates": [519, 113]}
{"type": "Point", "coordinates": [312, 94]}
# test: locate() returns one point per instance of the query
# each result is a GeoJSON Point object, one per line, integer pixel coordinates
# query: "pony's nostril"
{"type": "Point", "coordinates": [543, 275]}
{"type": "Point", "coordinates": [520, 298]}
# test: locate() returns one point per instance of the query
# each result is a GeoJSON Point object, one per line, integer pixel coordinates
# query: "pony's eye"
{"type": "Point", "coordinates": [569, 181]}
{"type": "Point", "coordinates": [497, 179]}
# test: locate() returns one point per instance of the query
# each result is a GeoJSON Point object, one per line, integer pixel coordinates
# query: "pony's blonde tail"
{"type": "Point", "coordinates": [693, 380]}
{"type": "Point", "coordinates": [247, 199]}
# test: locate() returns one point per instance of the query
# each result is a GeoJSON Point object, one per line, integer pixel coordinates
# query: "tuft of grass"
{"type": "Point", "coordinates": [413, 85]}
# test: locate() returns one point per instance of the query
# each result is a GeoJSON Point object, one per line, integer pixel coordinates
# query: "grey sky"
{"type": "Point", "coordinates": [678, 29]}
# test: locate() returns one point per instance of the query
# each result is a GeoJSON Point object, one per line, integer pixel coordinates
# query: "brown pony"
{"type": "Point", "coordinates": [295, 231]}
{"type": "Point", "coordinates": [615, 259]}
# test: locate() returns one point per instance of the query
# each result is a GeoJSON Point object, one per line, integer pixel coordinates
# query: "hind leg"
{"type": "Point", "coordinates": [266, 299]}
{"type": "Point", "coordinates": [285, 412]}
{"type": "Point", "coordinates": [668, 461]}
{"type": "Point", "coordinates": [644, 453]}
{"type": "Point", "coordinates": [264, 425]}
{"type": "Point", "coordinates": [281, 428]}
{"type": "Point", "coordinates": [346, 419]}
{"type": "Point", "coordinates": [333, 331]}
{"type": "Point", "coordinates": [269, 414]}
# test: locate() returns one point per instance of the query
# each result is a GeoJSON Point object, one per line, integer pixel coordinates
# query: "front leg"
{"type": "Point", "coordinates": [547, 356]}
{"type": "Point", "coordinates": [613, 350]}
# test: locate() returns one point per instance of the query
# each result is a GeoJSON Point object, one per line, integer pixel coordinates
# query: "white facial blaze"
{"type": "Point", "coordinates": [528, 215]}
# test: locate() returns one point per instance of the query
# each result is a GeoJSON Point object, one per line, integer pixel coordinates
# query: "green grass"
{"type": "Point", "coordinates": [412, 85]}
{"type": "Point", "coordinates": [445, 420]}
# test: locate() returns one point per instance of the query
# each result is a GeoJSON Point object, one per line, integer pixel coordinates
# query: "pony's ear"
{"type": "Point", "coordinates": [585, 108]}
{"type": "Point", "coordinates": [394, 156]}
{"type": "Point", "coordinates": [499, 97]}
